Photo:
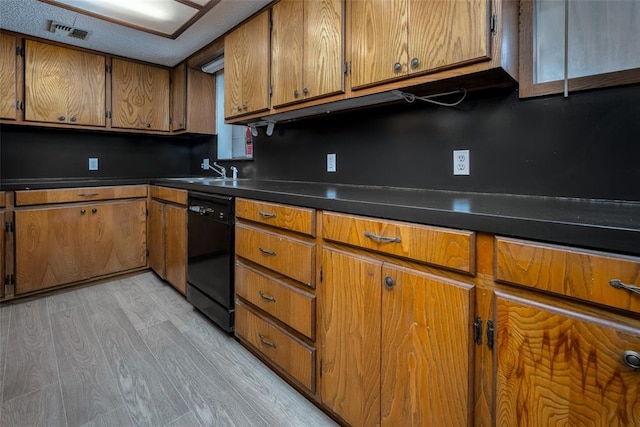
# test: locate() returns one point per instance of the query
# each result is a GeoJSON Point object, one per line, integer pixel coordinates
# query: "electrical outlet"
{"type": "Point", "coordinates": [93, 163]}
{"type": "Point", "coordinates": [331, 162]}
{"type": "Point", "coordinates": [461, 162]}
{"type": "Point", "coordinates": [205, 164]}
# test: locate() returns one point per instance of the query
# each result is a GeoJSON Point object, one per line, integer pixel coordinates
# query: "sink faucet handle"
{"type": "Point", "coordinates": [220, 169]}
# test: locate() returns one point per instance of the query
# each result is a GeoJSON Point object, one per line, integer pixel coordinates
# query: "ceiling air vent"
{"type": "Point", "coordinates": [66, 30]}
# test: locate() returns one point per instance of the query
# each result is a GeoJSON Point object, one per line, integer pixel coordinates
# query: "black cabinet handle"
{"type": "Point", "coordinates": [267, 252]}
{"type": "Point", "coordinates": [266, 297]}
{"type": "Point", "coordinates": [305, 91]}
{"type": "Point", "coordinates": [631, 358]}
{"type": "Point", "coordinates": [267, 215]}
{"type": "Point", "coordinates": [94, 210]}
{"type": "Point", "coordinates": [264, 341]}
{"type": "Point", "coordinates": [83, 211]}
{"type": "Point", "coordinates": [397, 67]}
{"type": "Point", "coordinates": [389, 283]}
{"type": "Point", "coordinates": [73, 119]}
{"type": "Point", "coordinates": [415, 62]}
{"type": "Point", "coordinates": [148, 125]}
{"type": "Point", "coordinates": [295, 93]}
{"type": "Point", "coordinates": [619, 284]}
{"type": "Point", "coordinates": [87, 194]}
{"type": "Point", "coordinates": [62, 118]}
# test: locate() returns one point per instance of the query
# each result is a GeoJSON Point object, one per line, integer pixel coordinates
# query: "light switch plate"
{"type": "Point", "coordinates": [93, 163]}
{"type": "Point", "coordinates": [461, 162]}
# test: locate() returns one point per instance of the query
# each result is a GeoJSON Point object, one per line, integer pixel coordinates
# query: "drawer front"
{"type": "Point", "coordinates": [167, 194]}
{"type": "Point", "coordinates": [454, 249]}
{"type": "Point", "coordinates": [575, 273]}
{"type": "Point", "coordinates": [82, 194]}
{"type": "Point", "coordinates": [292, 257]}
{"type": "Point", "coordinates": [292, 306]}
{"type": "Point", "coordinates": [289, 353]}
{"type": "Point", "coordinates": [300, 220]}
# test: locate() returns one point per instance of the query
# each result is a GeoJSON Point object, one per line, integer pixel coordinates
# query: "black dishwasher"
{"type": "Point", "coordinates": [210, 257]}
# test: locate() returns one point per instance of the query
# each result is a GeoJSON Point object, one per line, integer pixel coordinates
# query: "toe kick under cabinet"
{"type": "Point", "coordinates": [70, 235]}
{"type": "Point", "coordinates": [275, 278]}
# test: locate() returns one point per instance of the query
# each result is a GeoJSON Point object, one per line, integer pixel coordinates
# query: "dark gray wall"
{"type": "Point", "coordinates": [585, 146]}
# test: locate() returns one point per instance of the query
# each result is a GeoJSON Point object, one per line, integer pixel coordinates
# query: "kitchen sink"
{"type": "Point", "coordinates": [197, 179]}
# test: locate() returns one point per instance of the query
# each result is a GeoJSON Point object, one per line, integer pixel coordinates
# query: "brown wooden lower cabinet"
{"type": "Point", "coordinates": [396, 343]}
{"type": "Point", "coordinates": [60, 245]}
{"type": "Point", "coordinates": [564, 364]}
{"type": "Point", "coordinates": [2, 244]}
{"type": "Point", "coordinates": [168, 236]}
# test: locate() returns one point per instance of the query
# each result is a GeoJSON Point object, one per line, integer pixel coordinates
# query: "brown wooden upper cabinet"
{"type": "Point", "coordinates": [246, 75]}
{"type": "Point", "coordinates": [193, 100]}
{"type": "Point", "coordinates": [8, 77]}
{"type": "Point", "coordinates": [140, 96]}
{"type": "Point", "coordinates": [601, 46]}
{"type": "Point", "coordinates": [64, 85]}
{"type": "Point", "coordinates": [307, 50]}
{"type": "Point", "coordinates": [396, 39]}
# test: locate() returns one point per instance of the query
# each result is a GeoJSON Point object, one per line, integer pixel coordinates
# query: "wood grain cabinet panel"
{"type": "Point", "coordinates": [179, 97]}
{"type": "Point", "coordinates": [8, 77]}
{"type": "Point", "coordinates": [2, 251]}
{"type": "Point", "coordinates": [289, 353]}
{"type": "Point", "coordinates": [59, 245]}
{"type": "Point", "coordinates": [193, 100]}
{"type": "Point", "coordinates": [292, 257]}
{"type": "Point", "coordinates": [140, 96]}
{"type": "Point", "coordinates": [392, 40]}
{"type": "Point", "coordinates": [306, 50]}
{"type": "Point", "coordinates": [84, 194]}
{"type": "Point", "coordinates": [275, 296]}
{"type": "Point", "coordinates": [390, 344]}
{"type": "Point", "coordinates": [246, 82]}
{"type": "Point", "coordinates": [454, 249]}
{"type": "Point", "coordinates": [555, 364]}
{"type": "Point", "coordinates": [293, 218]}
{"type": "Point", "coordinates": [168, 235]}
{"type": "Point", "coordinates": [64, 85]}
{"type": "Point", "coordinates": [586, 275]}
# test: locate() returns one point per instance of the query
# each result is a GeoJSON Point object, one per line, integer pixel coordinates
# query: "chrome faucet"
{"type": "Point", "coordinates": [234, 171]}
{"type": "Point", "coordinates": [219, 169]}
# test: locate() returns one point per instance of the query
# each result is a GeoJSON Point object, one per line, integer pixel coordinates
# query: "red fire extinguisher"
{"type": "Point", "coordinates": [249, 142]}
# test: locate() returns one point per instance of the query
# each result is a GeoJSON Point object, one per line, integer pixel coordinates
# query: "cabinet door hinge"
{"type": "Point", "coordinates": [477, 331]}
{"type": "Point", "coordinates": [270, 91]}
{"type": "Point", "coordinates": [270, 26]}
{"type": "Point", "coordinates": [9, 279]}
{"type": "Point", "coordinates": [107, 68]}
{"type": "Point", "coordinates": [147, 252]}
{"type": "Point", "coordinates": [490, 334]}
{"type": "Point", "coordinates": [320, 274]}
{"type": "Point", "coordinates": [494, 23]}
{"type": "Point", "coordinates": [19, 51]}
{"type": "Point", "coordinates": [107, 114]}
{"type": "Point", "coordinates": [346, 67]}
{"type": "Point", "coordinates": [9, 227]}
{"type": "Point", "coordinates": [320, 368]}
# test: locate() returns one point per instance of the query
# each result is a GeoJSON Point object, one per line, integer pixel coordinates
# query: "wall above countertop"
{"type": "Point", "coordinates": [563, 147]}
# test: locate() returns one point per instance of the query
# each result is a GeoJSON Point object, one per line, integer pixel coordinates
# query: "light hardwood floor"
{"type": "Point", "coordinates": [133, 352]}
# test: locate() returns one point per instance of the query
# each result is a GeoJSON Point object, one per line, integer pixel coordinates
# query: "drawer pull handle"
{"type": "Point", "coordinates": [266, 252]}
{"type": "Point", "coordinates": [267, 215]}
{"type": "Point", "coordinates": [631, 358]}
{"type": "Point", "coordinates": [389, 283]}
{"type": "Point", "coordinates": [88, 194]}
{"type": "Point", "coordinates": [382, 239]}
{"type": "Point", "coordinates": [94, 210]}
{"type": "Point", "coordinates": [618, 284]}
{"type": "Point", "coordinates": [265, 342]}
{"type": "Point", "coordinates": [266, 297]}
{"type": "Point", "coordinates": [83, 211]}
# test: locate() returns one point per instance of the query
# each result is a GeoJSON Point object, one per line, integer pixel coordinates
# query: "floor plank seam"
{"type": "Point", "coordinates": [55, 357]}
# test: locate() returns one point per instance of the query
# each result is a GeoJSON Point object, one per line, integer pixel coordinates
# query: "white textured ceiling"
{"type": "Point", "coordinates": [31, 17]}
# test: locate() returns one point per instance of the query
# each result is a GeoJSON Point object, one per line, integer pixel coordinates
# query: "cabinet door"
{"type": "Point", "coordinates": [117, 237]}
{"type": "Point", "coordinates": [378, 41]}
{"type": "Point", "coordinates": [46, 83]}
{"type": "Point", "coordinates": [64, 85]}
{"type": "Point", "coordinates": [233, 57]}
{"type": "Point", "coordinates": [140, 96]}
{"type": "Point", "coordinates": [176, 247]}
{"type": "Point", "coordinates": [287, 51]}
{"type": "Point", "coordinates": [2, 259]}
{"type": "Point", "coordinates": [201, 102]}
{"type": "Point", "coordinates": [426, 349]}
{"type": "Point", "coordinates": [50, 245]}
{"type": "Point", "coordinates": [255, 68]}
{"type": "Point", "coordinates": [179, 97]}
{"type": "Point", "coordinates": [86, 96]}
{"type": "Point", "coordinates": [443, 33]}
{"type": "Point", "coordinates": [8, 76]}
{"type": "Point", "coordinates": [350, 328]}
{"type": "Point", "coordinates": [323, 48]}
{"type": "Point", "coordinates": [558, 365]}
{"type": "Point", "coordinates": [156, 240]}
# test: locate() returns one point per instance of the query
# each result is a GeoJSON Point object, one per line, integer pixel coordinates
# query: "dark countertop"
{"type": "Point", "coordinates": [596, 224]}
